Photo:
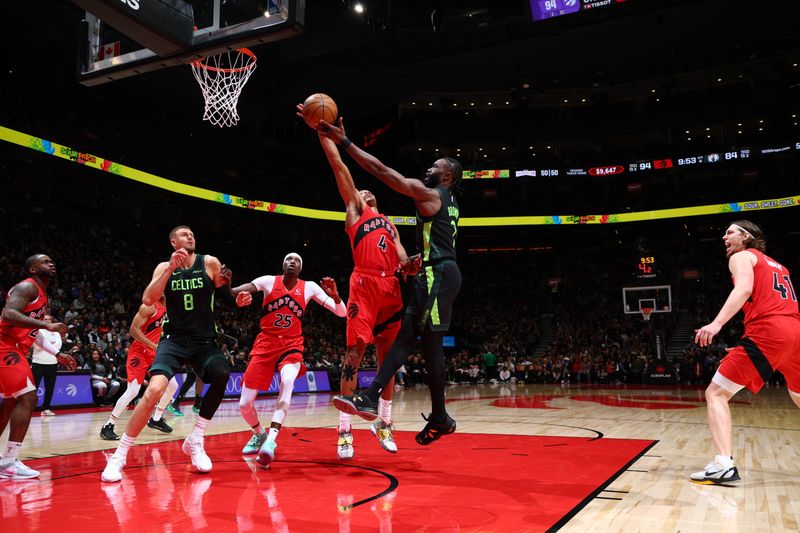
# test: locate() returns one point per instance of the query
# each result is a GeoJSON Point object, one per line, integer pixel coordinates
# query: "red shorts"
{"type": "Point", "coordinates": [140, 359]}
{"type": "Point", "coordinates": [769, 344]}
{"type": "Point", "coordinates": [16, 377]}
{"type": "Point", "coordinates": [374, 308]}
{"type": "Point", "coordinates": [270, 354]}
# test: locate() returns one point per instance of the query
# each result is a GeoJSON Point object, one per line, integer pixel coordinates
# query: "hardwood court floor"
{"type": "Point", "coordinates": [591, 488]}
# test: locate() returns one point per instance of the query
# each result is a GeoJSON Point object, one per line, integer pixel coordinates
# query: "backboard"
{"type": "Point", "coordinates": [123, 38]}
{"type": "Point", "coordinates": [656, 297]}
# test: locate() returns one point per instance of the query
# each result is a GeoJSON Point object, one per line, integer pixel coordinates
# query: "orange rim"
{"type": "Point", "coordinates": [248, 66]}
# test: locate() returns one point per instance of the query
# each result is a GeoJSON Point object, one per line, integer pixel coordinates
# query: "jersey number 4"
{"type": "Point", "coordinates": [785, 289]}
{"type": "Point", "coordinates": [382, 243]}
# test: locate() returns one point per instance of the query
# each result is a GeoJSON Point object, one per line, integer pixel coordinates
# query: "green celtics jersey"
{"type": "Point", "coordinates": [190, 302]}
{"type": "Point", "coordinates": [436, 235]}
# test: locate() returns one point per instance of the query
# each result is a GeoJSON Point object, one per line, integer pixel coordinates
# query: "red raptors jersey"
{"type": "Point", "coordinates": [16, 336]}
{"type": "Point", "coordinates": [152, 328]}
{"type": "Point", "coordinates": [283, 310]}
{"type": "Point", "coordinates": [773, 292]}
{"type": "Point", "coordinates": [372, 242]}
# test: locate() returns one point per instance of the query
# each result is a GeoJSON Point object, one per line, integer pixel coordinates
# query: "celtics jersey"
{"type": "Point", "coordinates": [436, 235]}
{"type": "Point", "coordinates": [190, 302]}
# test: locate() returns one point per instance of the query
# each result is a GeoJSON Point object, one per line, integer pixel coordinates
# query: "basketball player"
{"type": "Point", "coordinates": [279, 345]}
{"type": "Point", "coordinates": [436, 285]}
{"type": "Point", "coordinates": [26, 306]}
{"type": "Point", "coordinates": [190, 282]}
{"type": "Point", "coordinates": [145, 330]}
{"type": "Point", "coordinates": [771, 340]}
{"type": "Point", "coordinates": [375, 305]}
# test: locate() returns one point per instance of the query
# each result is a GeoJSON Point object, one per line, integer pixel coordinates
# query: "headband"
{"type": "Point", "coordinates": [746, 233]}
{"type": "Point", "coordinates": [296, 255]}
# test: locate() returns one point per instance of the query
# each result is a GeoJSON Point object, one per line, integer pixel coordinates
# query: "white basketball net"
{"type": "Point", "coordinates": [221, 78]}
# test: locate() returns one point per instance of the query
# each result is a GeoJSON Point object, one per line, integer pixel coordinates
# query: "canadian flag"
{"type": "Point", "coordinates": [107, 51]}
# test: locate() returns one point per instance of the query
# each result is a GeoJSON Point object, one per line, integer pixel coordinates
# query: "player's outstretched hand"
{"type": "Point", "coordinates": [226, 274]}
{"type": "Point", "coordinates": [243, 299]}
{"type": "Point", "coordinates": [335, 133]}
{"type": "Point", "coordinates": [329, 286]}
{"type": "Point", "coordinates": [299, 113]}
{"type": "Point", "coordinates": [706, 334]}
{"type": "Point", "coordinates": [177, 259]}
{"type": "Point", "coordinates": [58, 327]}
{"type": "Point", "coordinates": [67, 361]}
{"type": "Point", "coordinates": [410, 266]}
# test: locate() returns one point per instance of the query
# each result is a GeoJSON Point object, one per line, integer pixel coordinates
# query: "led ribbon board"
{"type": "Point", "coordinates": [106, 165]}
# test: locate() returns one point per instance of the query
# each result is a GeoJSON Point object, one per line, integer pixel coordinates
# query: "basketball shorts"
{"type": "Point", "coordinates": [374, 308]}
{"type": "Point", "coordinates": [435, 288]}
{"type": "Point", "coordinates": [140, 359]}
{"type": "Point", "coordinates": [269, 355]}
{"type": "Point", "coordinates": [769, 344]}
{"type": "Point", "coordinates": [16, 377]}
{"type": "Point", "coordinates": [175, 351]}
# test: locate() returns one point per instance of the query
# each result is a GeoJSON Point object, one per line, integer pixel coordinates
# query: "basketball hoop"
{"type": "Point", "coordinates": [646, 312]}
{"type": "Point", "coordinates": [221, 78]}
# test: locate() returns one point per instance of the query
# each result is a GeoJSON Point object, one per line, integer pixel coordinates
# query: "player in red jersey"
{"type": "Point", "coordinates": [771, 340]}
{"type": "Point", "coordinates": [279, 346]}
{"type": "Point", "coordinates": [375, 305]}
{"type": "Point", "coordinates": [26, 306]}
{"type": "Point", "coordinates": [145, 330]}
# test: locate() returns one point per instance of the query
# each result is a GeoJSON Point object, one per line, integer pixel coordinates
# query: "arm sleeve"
{"type": "Point", "coordinates": [316, 293]}
{"type": "Point", "coordinates": [46, 343]}
{"type": "Point", "coordinates": [264, 283]}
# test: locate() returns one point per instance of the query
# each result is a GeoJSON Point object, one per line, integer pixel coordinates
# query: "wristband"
{"type": "Point", "coordinates": [345, 143]}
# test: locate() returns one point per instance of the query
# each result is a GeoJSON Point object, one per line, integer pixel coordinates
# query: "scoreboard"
{"type": "Point", "coordinates": [545, 9]}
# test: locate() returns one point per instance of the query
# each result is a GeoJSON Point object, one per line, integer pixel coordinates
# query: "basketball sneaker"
{"type": "Point", "coordinates": [344, 446]}
{"type": "Point", "coordinates": [113, 470]}
{"type": "Point", "coordinates": [196, 407]}
{"type": "Point", "coordinates": [266, 454]}
{"type": "Point", "coordinates": [159, 424]}
{"type": "Point", "coordinates": [716, 474]}
{"type": "Point", "coordinates": [435, 430]}
{"type": "Point", "coordinates": [384, 433]}
{"type": "Point", "coordinates": [48, 412]}
{"type": "Point", "coordinates": [358, 404]}
{"type": "Point", "coordinates": [16, 469]}
{"type": "Point", "coordinates": [107, 432]}
{"type": "Point", "coordinates": [174, 410]}
{"type": "Point", "coordinates": [193, 447]}
{"type": "Point", "coordinates": [254, 444]}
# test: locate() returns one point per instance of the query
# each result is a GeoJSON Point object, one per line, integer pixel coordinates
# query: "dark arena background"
{"type": "Point", "coordinates": [606, 146]}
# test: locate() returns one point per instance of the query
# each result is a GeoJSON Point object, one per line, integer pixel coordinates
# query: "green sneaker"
{"type": "Point", "coordinates": [196, 409]}
{"type": "Point", "coordinates": [266, 454]}
{"type": "Point", "coordinates": [255, 442]}
{"type": "Point", "coordinates": [174, 410]}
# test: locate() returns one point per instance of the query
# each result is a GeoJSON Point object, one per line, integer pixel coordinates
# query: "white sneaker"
{"type": "Point", "coordinates": [193, 447]}
{"type": "Point", "coordinates": [113, 470]}
{"type": "Point", "coordinates": [48, 412]}
{"type": "Point", "coordinates": [384, 433]}
{"type": "Point", "coordinates": [16, 469]}
{"type": "Point", "coordinates": [716, 474]}
{"type": "Point", "coordinates": [344, 446]}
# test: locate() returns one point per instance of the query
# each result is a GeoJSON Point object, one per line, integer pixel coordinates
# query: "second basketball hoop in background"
{"type": "Point", "coordinates": [318, 107]}
{"type": "Point", "coordinates": [222, 77]}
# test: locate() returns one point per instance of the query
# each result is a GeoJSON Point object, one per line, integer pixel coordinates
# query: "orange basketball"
{"type": "Point", "coordinates": [318, 107]}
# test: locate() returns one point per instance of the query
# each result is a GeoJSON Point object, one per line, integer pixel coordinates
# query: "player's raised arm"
{"type": "Point", "coordinates": [344, 180]}
{"type": "Point", "coordinates": [399, 183]}
{"type": "Point", "coordinates": [327, 295]}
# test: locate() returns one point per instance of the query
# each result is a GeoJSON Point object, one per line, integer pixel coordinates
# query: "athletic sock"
{"type": "Point", "coordinates": [273, 434]}
{"type": "Point", "coordinates": [385, 410]}
{"type": "Point", "coordinates": [125, 444]}
{"type": "Point", "coordinates": [344, 422]}
{"type": "Point", "coordinates": [157, 414]}
{"type": "Point", "coordinates": [725, 461]}
{"type": "Point", "coordinates": [200, 426]}
{"type": "Point", "coordinates": [12, 451]}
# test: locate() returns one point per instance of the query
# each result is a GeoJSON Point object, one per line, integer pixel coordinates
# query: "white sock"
{"type": "Point", "coordinates": [344, 422]}
{"type": "Point", "coordinates": [111, 419]}
{"type": "Point", "coordinates": [724, 461]}
{"type": "Point", "coordinates": [273, 434]}
{"type": "Point", "coordinates": [12, 451]}
{"type": "Point", "coordinates": [385, 410]}
{"type": "Point", "coordinates": [200, 426]}
{"type": "Point", "coordinates": [125, 444]}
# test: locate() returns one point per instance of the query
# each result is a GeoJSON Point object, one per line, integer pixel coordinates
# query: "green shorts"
{"type": "Point", "coordinates": [175, 351]}
{"type": "Point", "coordinates": [435, 288]}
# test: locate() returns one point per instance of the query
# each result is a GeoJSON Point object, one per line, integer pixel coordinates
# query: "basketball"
{"type": "Point", "coordinates": [318, 107]}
